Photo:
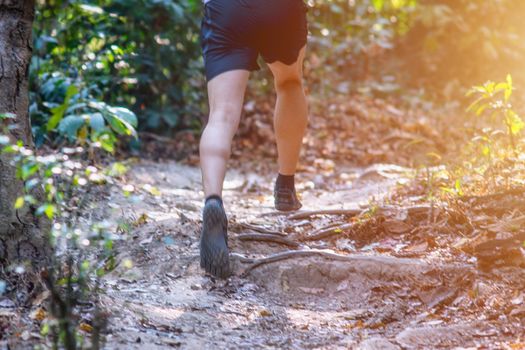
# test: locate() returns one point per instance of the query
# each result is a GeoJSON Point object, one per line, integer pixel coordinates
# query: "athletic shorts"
{"type": "Point", "coordinates": [235, 32]}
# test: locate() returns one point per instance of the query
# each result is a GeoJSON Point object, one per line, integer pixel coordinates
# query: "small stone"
{"type": "Point", "coordinates": [7, 303]}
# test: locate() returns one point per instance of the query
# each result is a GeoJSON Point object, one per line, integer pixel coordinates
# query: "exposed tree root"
{"type": "Point", "coordinates": [292, 254]}
{"type": "Point", "coordinates": [260, 229]}
{"type": "Point", "coordinates": [373, 265]}
{"type": "Point", "coordinates": [268, 238]}
{"type": "Point", "coordinates": [489, 197]}
{"type": "Point", "coordinates": [354, 212]}
{"type": "Point", "coordinates": [307, 214]}
{"type": "Point", "coordinates": [327, 232]}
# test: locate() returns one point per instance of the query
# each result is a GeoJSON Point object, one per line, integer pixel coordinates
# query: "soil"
{"type": "Point", "coordinates": [374, 259]}
{"type": "Point", "coordinates": [377, 282]}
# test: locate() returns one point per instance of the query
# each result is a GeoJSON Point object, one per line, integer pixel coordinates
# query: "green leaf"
{"type": "Point", "coordinates": [96, 122]}
{"type": "Point", "coordinates": [481, 109]}
{"type": "Point", "coordinates": [490, 87]}
{"type": "Point", "coordinates": [92, 9]}
{"type": "Point", "coordinates": [508, 90]}
{"type": "Point", "coordinates": [474, 105]}
{"type": "Point", "coordinates": [500, 87]}
{"type": "Point", "coordinates": [59, 111]}
{"type": "Point", "coordinates": [27, 170]}
{"type": "Point", "coordinates": [69, 126]}
{"type": "Point", "coordinates": [19, 203]}
{"type": "Point", "coordinates": [107, 141]}
{"type": "Point", "coordinates": [117, 169]}
{"type": "Point", "coordinates": [47, 209]}
{"type": "Point", "coordinates": [378, 4]}
{"type": "Point", "coordinates": [514, 122]}
{"type": "Point", "coordinates": [475, 90]}
{"type": "Point", "coordinates": [120, 126]}
{"type": "Point", "coordinates": [122, 120]}
{"type": "Point", "coordinates": [7, 116]}
{"type": "Point", "coordinates": [124, 114]}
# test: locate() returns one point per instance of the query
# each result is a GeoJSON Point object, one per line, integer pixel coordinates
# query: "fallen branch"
{"type": "Point", "coordinates": [260, 229]}
{"type": "Point", "coordinates": [268, 238]}
{"type": "Point", "coordinates": [492, 196]}
{"type": "Point", "coordinates": [354, 212]}
{"type": "Point", "coordinates": [371, 265]}
{"type": "Point", "coordinates": [327, 232]}
{"type": "Point", "coordinates": [307, 214]}
{"type": "Point", "coordinates": [291, 254]}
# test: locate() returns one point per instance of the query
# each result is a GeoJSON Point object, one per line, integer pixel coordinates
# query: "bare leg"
{"type": "Point", "coordinates": [226, 94]}
{"type": "Point", "coordinates": [291, 113]}
{"type": "Point", "coordinates": [290, 121]}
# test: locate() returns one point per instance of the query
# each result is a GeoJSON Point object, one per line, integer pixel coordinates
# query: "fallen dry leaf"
{"type": "Point", "coordinates": [86, 327]}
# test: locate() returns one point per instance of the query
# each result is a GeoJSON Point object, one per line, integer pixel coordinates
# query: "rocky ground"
{"type": "Point", "coordinates": [378, 257]}
{"type": "Point", "coordinates": [350, 270]}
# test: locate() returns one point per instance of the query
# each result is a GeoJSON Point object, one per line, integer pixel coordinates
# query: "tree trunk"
{"type": "Point", "coordinates": [20, 234]}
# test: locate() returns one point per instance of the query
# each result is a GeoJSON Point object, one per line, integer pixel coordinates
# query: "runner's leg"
{"type": "Point", "coordinates": [226, 94]}
{"type": "Point", "coordinates": [291, 112]}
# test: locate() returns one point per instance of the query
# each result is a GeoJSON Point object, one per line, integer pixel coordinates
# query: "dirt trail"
{"type": "Point", "coordinates": [356, 288]}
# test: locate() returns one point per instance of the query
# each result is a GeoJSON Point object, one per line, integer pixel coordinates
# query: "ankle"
{"type": "Point", "coordinates": [213, 197]}
{"type": "Point", "coordinates": [285, 182]}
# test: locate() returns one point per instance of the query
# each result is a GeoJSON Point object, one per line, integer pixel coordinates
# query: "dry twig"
{"type": "Point", "coordinates": [327, 232]}
{"type": "Point", "coordinates": [260, 229]}
{"type": "Point", "coordinates": [288, 255]}
{"type": "Point", "coordinates": [307, 214]}
{"type": "Point", "coordinates": [268, 238]}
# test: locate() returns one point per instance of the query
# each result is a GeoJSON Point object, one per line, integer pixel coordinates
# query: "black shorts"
{"type": "Point", "coordinates": [235, 32]}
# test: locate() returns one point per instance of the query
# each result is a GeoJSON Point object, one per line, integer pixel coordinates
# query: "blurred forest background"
{"type": "Point", "coordinates": [144, 55]}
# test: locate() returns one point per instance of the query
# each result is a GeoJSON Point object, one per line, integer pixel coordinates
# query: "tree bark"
{"type": "Point", "coordinates": [21, 238]}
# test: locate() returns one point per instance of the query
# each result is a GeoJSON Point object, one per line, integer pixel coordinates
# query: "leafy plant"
{"type": "Point", "coordinates": [348, 40]}
{"type": "Point", "coordinates": [79, 117]}
{"type": "Point", "coordinates": [457, 43]}
{"type": "Point", "coordinates": [82, 246]}
{"type": "Point", "coordinates": [494, 99]}
{"type": "Point", "coordinates": [140, 54]}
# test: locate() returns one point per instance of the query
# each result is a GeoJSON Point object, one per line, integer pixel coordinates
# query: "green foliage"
{"type": "Point", "coordinates": [460, 42]}
{"type": "Point", "coordinates": [494, 99]}
{"type": "Point", "coordinates": [490, 161]}
{"type": "Point", "coordinates": [61, 188]}
{"type": "Point", "coordinates": [145, 55]}
{"type": "Point", "coordinates": [395, 44]}
{"type": "Point", "coordinates": [79, 117]}
{"type": "Point", "coordinates": [350, 37]}
{"type": "Point", "coordinates": [92, 55]}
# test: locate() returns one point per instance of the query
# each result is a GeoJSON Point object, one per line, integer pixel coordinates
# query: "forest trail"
{"type": "Point", "coordinates": [367, 280]}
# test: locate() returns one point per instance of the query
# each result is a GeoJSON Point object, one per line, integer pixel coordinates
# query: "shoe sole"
{"type": "Point", "coordinates": [214, 252]}
{"type": "Point", "coordinates": [284, 207]}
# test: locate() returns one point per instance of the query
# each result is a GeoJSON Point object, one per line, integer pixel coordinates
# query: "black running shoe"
{"type": "Point", "coordinates": [285, 199]}
{"type": "Point", "coordinates": [214, 240]}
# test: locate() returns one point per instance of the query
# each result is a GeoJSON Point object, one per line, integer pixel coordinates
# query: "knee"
{"type": "Point", "coordinates": [288, 84]}
{"type": "Point", "coordinates": [225, 115]}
